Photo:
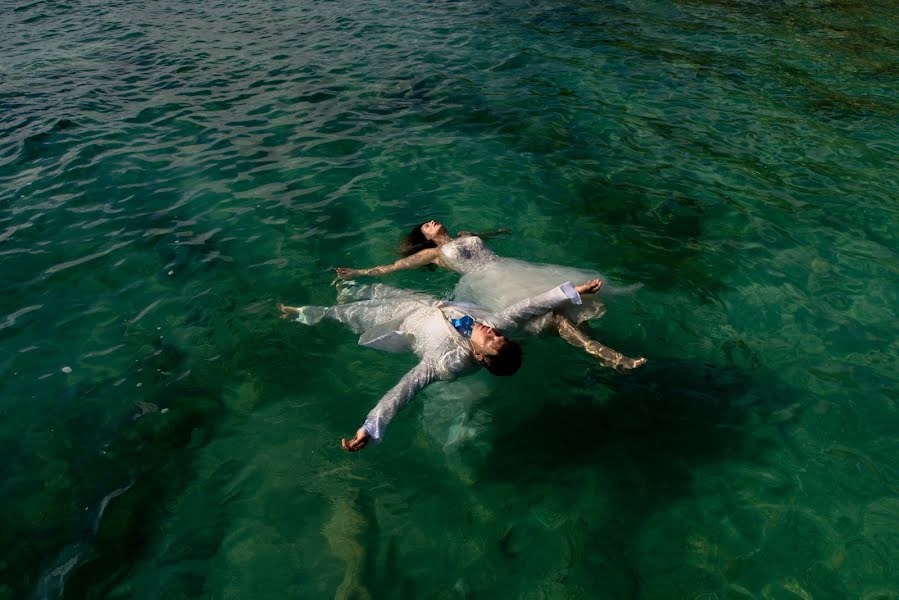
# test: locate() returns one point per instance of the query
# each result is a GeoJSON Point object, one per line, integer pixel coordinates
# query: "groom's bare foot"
{"type": "Point", "coordinates": [286, 311]}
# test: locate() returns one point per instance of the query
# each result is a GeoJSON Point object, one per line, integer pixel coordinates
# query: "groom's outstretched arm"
{"type": "Point", "coordinates": [393, 401]}
{"type": "Point", "coordinates": [520, 312]}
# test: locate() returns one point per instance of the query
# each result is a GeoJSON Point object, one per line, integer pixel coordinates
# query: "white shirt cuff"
{"type": "Point", "coordinates": [372, 428]}
{"type": "Point", "coordinates": [571, 292]}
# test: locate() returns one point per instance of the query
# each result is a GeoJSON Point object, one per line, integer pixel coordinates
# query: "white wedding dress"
{"type": "Point", "coordinates": [494, 282]}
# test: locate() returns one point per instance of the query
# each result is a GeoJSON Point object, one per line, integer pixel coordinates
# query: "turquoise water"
{"type": "Point", "coordinates": [170, 170]}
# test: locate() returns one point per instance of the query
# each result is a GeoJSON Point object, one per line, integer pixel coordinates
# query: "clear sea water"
{"type": "Point", "coordinates": [170, 170]}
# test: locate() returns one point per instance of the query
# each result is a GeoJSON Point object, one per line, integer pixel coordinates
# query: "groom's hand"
{"type": "Point", "coordinates": [590, 287]}
{"type": "Point", "coordinates": [357, 443]}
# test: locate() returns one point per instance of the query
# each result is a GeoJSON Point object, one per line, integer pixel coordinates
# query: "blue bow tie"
{"type": "Point", "coordinates": [463, 325]}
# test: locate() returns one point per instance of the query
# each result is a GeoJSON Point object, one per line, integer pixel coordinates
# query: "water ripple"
{"type": "Point", "coordinates": [169, 170]}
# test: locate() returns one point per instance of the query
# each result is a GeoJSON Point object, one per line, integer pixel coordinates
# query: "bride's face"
{"type": "Point", "coordinates": [431, 229]}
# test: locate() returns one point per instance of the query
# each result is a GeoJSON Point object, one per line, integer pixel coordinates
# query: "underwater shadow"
{"type": "Point", "coordinates": [658, 423]}
{"type": "Point", "coordinates": [609, 468]}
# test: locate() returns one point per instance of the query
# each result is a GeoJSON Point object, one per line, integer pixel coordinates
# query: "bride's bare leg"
{"type": "Point", "coordinates": [607, 356]}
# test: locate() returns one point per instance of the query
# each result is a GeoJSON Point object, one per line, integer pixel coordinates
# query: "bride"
{"type": "Point", "coordinates": [495, 282]}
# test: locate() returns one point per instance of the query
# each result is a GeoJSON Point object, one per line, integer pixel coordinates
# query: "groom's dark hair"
{"type": "Point", "coordinates": [505, 362]}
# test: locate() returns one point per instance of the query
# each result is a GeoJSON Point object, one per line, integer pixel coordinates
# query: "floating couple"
{"type": "Point", "coordinates": [456, 338]}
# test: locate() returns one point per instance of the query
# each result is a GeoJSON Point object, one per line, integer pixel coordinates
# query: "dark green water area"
{"type": "Point", "coordinates": [169, 170]}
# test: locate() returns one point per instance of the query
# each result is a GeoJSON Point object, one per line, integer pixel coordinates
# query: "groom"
{"type": "Point", "coordinates": [451, 339]}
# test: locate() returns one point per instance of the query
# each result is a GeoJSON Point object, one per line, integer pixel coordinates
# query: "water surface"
{"type": "Point", "coordinates": [170, 170]}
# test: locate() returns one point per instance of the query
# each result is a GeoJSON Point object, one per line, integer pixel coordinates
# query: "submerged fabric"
{"type": "Point", "coordinates": [494, 282]}
{"type": "Point", "coordinates": [393, 319]}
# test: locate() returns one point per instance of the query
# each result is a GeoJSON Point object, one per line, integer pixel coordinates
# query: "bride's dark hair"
{"type": "Point", "coordinates": [415, 242]}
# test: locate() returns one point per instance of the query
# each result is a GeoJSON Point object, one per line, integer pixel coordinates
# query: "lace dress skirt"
{"type": "Point", "coordinates": [504, 281]}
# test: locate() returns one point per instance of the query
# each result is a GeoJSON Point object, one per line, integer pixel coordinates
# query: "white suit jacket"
{"type": "Point", "coordinates": [445, 354]}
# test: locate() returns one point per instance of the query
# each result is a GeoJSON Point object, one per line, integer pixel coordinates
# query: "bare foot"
{"type": "Point", "coordinates": [628, 364]}
{"type": "Point", "coordinates": [286, 311]}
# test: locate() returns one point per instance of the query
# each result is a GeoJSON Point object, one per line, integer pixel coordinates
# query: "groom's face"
{"type": "Point", "coordinates": [486, 340]}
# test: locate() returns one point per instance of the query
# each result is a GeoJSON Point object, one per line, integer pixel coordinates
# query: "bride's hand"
{"type": "Point", "coordinates": [346, 273]}
{"type": "Point", "coordinates": [590, 287]}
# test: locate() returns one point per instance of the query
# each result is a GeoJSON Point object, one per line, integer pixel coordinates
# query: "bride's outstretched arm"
{"type": "Point", "coordinates": [419, 259]}
{"type": "Point", "coordinates": [607, 356]}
